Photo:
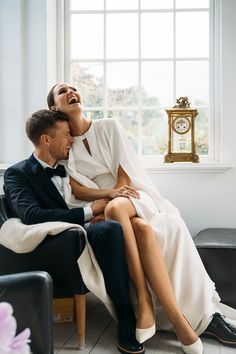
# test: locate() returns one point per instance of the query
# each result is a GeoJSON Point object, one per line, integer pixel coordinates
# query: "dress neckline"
{"type": "Point", "coordinates": [85, 135]}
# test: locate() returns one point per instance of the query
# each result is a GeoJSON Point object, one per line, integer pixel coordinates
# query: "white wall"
{"type": "Point", "coordinates": [204, 199]}
{"type": "Point", "coordinates": [23, 71]}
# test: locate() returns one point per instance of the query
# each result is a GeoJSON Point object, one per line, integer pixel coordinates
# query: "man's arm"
{"type": "Point", "coordinates": [25, 201]}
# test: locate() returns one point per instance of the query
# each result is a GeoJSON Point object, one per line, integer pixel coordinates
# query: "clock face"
{"type": "Point", "coordinates": [181, 125]}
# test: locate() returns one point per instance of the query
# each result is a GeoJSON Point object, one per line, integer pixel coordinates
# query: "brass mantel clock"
{"type": "Point", "coordinates": [181, 121]}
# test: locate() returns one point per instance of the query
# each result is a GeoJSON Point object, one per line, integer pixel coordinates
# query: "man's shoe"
{"type": "Point", "coordinates": [221, 331]}
{"type": "Point", "coordinates": [127, 342]}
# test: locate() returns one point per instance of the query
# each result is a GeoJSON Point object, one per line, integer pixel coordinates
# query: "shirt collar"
{"type": "Point", "coordinates": [42, 163]}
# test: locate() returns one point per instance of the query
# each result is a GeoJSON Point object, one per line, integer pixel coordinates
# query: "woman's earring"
{"type": "Point", "coordinates": [53, 108]}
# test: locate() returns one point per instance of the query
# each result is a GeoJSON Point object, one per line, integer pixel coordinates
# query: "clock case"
{"type": "Point", "coordinates": [191, 114]}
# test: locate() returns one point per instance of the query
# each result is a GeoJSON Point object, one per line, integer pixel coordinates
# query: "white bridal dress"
{"type": "Point", "coordinates": [194, 290]}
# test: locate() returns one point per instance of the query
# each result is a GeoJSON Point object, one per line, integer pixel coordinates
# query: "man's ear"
{"type": "Point", "coordinates": [45, 139]}
{"type": "Point", "coordinates": [53, 108]}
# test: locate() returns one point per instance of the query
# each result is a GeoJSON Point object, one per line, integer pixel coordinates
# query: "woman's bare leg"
{"type": "Point", "coordinates": [121, 210]}
{"type": "Point", "coordinates": [158, 277]}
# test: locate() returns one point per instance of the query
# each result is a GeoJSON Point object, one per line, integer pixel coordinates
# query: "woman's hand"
{"type": "Point", "coordinates": [124, 191]}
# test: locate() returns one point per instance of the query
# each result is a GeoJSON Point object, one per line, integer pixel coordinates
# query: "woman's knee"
{"type": "Point", "coordinates": [142, 229]}
{"type": "Point", "coordinates": [113, 208]}
{"type": "Point", "coordinates": [119, 209]}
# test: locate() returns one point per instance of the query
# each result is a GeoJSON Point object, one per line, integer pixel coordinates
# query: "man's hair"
{"type": "Point", "coordinates": [43, 122]}
{"type": "Point", "coordinates": [50, 97]}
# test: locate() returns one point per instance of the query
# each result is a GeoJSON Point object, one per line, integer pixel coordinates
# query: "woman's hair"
{"type": "Point", "coordinates": [43, 122]}
{"type": "Point", "coordinates": [50, 97]}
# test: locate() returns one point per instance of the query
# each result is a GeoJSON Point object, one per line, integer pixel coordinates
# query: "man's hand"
{"type": "Point", "coordinates": [98, 206]}
{"type": "Point", "coordinates": [97, 218]}
{"type": "Point", "coordinates": [124, 191]}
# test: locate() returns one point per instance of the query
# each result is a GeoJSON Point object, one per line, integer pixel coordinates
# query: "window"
{"type": "Point", "coordinates": [131, 59]}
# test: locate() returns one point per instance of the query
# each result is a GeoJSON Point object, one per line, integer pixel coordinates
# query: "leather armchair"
{"type": "Point", "coordinates": [217, 249]}
{"type": "Point", "coordinates": [30, 294]}
{"type": "Point", "coordinates": [56, 255]}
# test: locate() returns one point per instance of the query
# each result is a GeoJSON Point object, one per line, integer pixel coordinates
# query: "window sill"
{"type": "Point", "coordinates": [176, 167]}
{"type": "Point", "coordinates": [188, 167]}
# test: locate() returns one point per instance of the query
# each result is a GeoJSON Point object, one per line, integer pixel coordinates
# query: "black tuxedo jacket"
{"type": "Point", "coordinates": [33, 197]}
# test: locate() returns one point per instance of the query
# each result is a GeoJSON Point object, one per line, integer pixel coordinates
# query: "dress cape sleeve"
{"type": "Point", "coordinates": [117, 150]}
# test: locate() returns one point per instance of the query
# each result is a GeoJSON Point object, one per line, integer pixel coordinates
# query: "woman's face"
{"type": "Point", "coordinates": [66, 99]}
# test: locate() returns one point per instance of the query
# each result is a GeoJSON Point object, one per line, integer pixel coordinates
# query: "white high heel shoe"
{"type": "Point", "coordinates": [195, 348]}
{"type": "Point", "coordinates": [144, 334]}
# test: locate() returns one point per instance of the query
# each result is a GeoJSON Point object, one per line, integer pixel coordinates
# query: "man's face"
{"type": "Point", "coordinates": [60, 141]}
{"type": "Point", "coordinates": [67, 99]}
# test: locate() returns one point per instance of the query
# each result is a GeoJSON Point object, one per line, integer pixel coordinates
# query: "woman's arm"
{"type": "Point", "coordinates": [122, 189]}
{"type": "Point", "coordinates": [123, 178]}
{"type": "Point", "coordinates": [88, 194]}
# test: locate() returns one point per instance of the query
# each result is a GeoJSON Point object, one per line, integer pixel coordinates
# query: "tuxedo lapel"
{"type": "Point", "coordinates": [40, 177]}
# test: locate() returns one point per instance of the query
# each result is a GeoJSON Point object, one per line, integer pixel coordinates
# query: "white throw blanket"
{"type": "Point", "coordinates": [22, 238]}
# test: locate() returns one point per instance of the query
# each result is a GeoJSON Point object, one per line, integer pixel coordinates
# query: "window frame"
{"type": "Point", "coordinates": [64, 62]}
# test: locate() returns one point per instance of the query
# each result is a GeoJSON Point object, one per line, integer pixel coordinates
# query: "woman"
{"type": "Point", "coordinates": [158, 245]}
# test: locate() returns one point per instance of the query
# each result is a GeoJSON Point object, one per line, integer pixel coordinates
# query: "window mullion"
{"type": "Point", "coordinates": [63, 19]}
{"type": "Point", "coordinates": [105, 64]}
{"type": "Point", "coordinates": [214, 85]}
{"type": "Point", "coordinates": [174, 53]}
{"type": "Point", "coordinates": [140, 140]}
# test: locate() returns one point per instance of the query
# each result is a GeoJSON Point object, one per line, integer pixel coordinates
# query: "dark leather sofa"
{"type": "Point", "coordinates": [62, 252]}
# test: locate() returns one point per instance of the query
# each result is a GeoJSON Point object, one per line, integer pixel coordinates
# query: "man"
{"type": "Point", "coordinates": [34, 190]}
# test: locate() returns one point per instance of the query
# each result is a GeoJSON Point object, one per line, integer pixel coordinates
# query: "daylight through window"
{"type": "Point", "coordinates": [131, 59]}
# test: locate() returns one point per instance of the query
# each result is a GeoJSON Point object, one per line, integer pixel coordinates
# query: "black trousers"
{"type": "Point", "coordinates": [106, 239]}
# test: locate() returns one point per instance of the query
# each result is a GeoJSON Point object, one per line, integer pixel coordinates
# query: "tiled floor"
{"type": "Point", "coordinates": [101, 336]}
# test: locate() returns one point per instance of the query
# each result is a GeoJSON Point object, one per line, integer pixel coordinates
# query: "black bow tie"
{"type": "Point", "coordinates": [58, 171]}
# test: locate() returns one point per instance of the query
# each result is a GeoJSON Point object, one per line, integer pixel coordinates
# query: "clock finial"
{"type": "Point", "coordinates": [182, 102]}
